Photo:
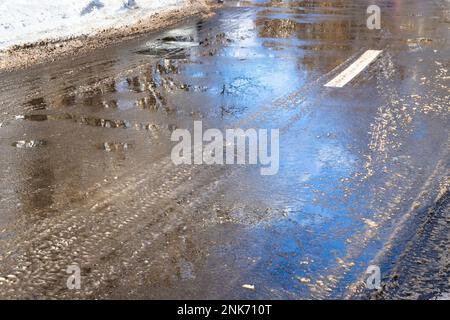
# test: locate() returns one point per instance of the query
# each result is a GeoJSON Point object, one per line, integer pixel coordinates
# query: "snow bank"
{"type": "Point", "coordinates": [25, 21]}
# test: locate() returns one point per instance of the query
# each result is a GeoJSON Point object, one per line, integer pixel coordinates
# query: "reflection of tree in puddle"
{"type": "Point", "coordinates": [36, 104]}
{"type": "Point", "coordinates": [312, 33]}
{"type": "Point", "coordinates": [288, 28]}
{"type": "Point", "coordinates": [63, 97]}
{"type": "Point", "coordinates": [232, 110]}
{"type": "Point", "coordinates": [147, 91]}
{"type": "Point", "coordinates": [39, 195]}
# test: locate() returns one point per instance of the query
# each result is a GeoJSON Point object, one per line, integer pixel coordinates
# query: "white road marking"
{"type": "Point", "coordinates": [354, 69]}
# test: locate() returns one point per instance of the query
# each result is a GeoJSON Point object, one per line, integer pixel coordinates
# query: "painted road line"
{"type": "Point", "coordinates": [356, 68]}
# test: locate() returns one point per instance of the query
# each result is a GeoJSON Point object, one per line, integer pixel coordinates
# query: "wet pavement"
{"type": "Point", "coordinates": [86, 174]}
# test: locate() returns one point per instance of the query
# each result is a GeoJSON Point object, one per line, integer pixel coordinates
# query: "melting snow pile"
{"type": "Point", "coordinates": [25, 21]}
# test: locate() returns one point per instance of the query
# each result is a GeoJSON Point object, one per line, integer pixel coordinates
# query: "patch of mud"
{"type": "Point", "coordinates": [115, 146]}
{"type": "Point", "coordinates": [423, 270]}
{"type": "Point", "coordinates": [97, 122]}
{"type": "Point", "coordinates": [29, 144]}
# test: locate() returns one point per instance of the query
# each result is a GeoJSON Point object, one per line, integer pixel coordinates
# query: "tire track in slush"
{"type": "Point", "coordinates": [57, 242]}
{"type": "Point", "coordinates": [386, 204]}
{"type": "Point", "coordinates": [41, 248]}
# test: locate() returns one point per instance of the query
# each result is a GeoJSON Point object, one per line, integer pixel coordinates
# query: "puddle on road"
{"type": "Point", "coordinates": [227, 72]}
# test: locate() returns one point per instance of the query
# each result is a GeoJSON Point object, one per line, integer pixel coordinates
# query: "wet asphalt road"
{"type": "Point", "coordinates": [86, 174]}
